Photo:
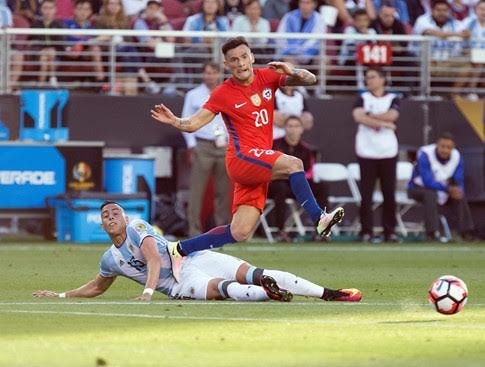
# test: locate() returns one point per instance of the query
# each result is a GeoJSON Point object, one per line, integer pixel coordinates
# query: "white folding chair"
{"type": "Point", "coordinates": [404, 172]}
{"type": "Point", "coordinates": [267, 229]}
{"type": "Point", "coordinates": [294, 222]}
{"type": "Point", "coordinates": [336, 172]}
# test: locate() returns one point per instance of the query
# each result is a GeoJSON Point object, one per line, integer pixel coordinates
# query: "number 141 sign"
{"type": "Point", "coordinates": [374, 54]}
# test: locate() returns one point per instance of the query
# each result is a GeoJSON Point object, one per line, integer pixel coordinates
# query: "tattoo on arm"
{"type": "Point", "coordinates": [183, 124]}
{"type": "Point", "coordinates": [301, 77]}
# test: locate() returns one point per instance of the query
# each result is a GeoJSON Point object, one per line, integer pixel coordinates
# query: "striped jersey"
{"type": "Point", "coordinates": [128, 261]}
{"type": "Point", "coordinates": [477, 32]}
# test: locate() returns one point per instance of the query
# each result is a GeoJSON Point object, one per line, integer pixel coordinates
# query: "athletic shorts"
{"type": "Point", "coordinates": [199, 268]}
{"type": "Point", "coordinates": [250, 170]}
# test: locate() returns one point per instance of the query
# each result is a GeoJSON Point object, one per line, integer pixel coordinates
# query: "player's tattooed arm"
{"type": "Point", "coordinates": [183, 124]}
{"type": "Point", "coordinates": [301, 77]}
{"type": "Point", "coordinates": [163, 114]}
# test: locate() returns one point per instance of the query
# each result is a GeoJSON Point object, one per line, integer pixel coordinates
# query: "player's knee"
{"type": "Point", "coordinates": [213, 290]}
{"type": "Point", "coordinates": [240, 232]}
{"type": "Point", "coordinates": [295, 165]}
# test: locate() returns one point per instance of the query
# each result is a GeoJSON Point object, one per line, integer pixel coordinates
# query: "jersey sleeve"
{"type": "Point", "coordinates": [359, 102]}
{"type": "Point", "coordinates": [106, 265]}
{"type": "Point", "coordinates": [396, 104]}
{"type": "Point", "coordinates": [274, 78]}
{"type": "Point", "coordinates": [138, 230]}
{"type": "Point", "coordinates": [216, 100]}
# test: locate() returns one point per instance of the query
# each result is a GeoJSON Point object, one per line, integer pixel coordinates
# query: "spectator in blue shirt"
{"type": "Point", "coordinates": [210, 18]}
{"type": "Point", "coordinates": [399, 5]}
{"type": "Point", "coordinates": [305, 19]}
{"type": "Point", "coordinates": [79, 44]}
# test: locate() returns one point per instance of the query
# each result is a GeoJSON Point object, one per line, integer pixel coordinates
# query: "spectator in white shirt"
{"type": "Point", "coordinates": [208, 155]}
{"type": "Point", "coordinates": [252, 21]}
{"type": "Point", "coordinates": [290, 101]}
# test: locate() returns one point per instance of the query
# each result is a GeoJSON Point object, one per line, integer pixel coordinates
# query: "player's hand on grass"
{"type": "Point", "coordinates": [45, 294]}
{"type": "Point", "coordinates": [144, 297]}
{"type": "Point", "coordinates": [162, 113]}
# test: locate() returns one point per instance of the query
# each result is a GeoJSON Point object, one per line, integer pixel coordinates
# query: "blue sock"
{"type": "Point", "coordinates": [304, 195]}
{"type": "Point", "coordinates": [216, 237]}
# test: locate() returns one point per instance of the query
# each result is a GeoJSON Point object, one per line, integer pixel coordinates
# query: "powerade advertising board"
{"type": "Point", "coordinates": [29, 174]}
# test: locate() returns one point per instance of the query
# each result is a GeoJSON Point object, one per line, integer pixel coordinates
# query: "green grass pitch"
{"type": "Point", "coordinates": [393, 326]}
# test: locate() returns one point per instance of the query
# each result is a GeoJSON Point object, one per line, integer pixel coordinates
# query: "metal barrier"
{"type": "Point", "coordinates": [116, 63]}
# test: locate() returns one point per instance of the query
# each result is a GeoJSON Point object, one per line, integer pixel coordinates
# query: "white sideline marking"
{"type": "Point", "coordinates": [223, 303]}
{"type": "Point", "coordinates": [258, 248]}
{"type": "Point", "coordinates": [436, 323]}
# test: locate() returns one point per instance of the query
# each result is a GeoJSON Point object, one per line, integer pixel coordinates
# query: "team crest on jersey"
{"type": "Point", "coordinates": [131, 247]}
{"type": "Point", "coordinates": [256, 100]}
{"type": "Point", "coordinates": [140, 227]}
{"type": "Point", "coordinates": [267, 94]}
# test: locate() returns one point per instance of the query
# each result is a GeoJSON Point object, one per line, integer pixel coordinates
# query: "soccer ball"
{"type": "Point", "coordinates": [448, 294]}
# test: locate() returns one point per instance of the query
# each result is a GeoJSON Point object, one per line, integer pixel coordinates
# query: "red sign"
{"type": "Point", "coordinates": [374, 54]}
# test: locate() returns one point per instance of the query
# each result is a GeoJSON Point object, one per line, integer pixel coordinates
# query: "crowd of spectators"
{"type": "Point", "coordinates": [443, 19]}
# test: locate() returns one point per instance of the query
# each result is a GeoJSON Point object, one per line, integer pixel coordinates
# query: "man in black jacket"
{"type": "Point", "coordinates": [280, 190]}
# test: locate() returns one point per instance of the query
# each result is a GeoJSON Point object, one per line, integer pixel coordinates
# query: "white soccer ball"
{"type": "Point", "coordinates": [448, 294]}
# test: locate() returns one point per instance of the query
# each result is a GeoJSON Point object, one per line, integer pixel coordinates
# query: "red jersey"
{"type": "Point", "coordinates": [247, 110]}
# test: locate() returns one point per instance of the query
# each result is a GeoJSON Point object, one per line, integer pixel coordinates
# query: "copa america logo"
{"type": "Point", "coordinates": [81, 171]}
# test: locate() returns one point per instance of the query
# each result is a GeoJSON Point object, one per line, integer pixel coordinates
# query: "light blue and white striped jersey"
{"type": "Point", "coordinates": [128, 261]}
{"type": "Point", "coordinates": [477, 32]}
{"type": "Point", "coordinates": [441, 49]}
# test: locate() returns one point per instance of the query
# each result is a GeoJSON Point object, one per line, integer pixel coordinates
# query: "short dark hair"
{"type": "Point", "coordinates": [250, 2]}
{"type": "Point", "coordinates": [439, 2]}
{"type": "Point", "coordinates": [377, 69]}
{"type": "Point", "coordinates": [79, 2]}
{"type": "Point", "coordinates": [293, 117]}
{"type": "Point", "coordinates": [446, 135]}
{"type": "Point", "coordinates": [106, 202]}
{"type": "Point", "coordinates": [358, 12]}
{"type": "Point", "coordinates": [388, 3]}
{"type": "Point", "coordinates": [211, 64]}
{"type": "Point", "coordinates": [232, 43]}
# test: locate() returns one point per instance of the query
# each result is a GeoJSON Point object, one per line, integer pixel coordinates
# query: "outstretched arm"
{"type": "Point", "coordinates": [295, 76]}
{"type": "Point", "coordinates": [150, 252]}
{"type": "Point", "coordinates": [91, 289]}
{"type": "Point", "coordinates": [163, 114]}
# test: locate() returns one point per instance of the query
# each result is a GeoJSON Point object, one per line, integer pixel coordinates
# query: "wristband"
{"type": "Point", "coordinates": [62, 295]}
{"type": "Point", "coordinates": [148, 291]}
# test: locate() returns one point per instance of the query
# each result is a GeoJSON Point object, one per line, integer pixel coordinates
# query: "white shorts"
{"type": "Point", "coordinates": [199, 268]}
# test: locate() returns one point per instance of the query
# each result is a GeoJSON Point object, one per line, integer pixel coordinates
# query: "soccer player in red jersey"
{"type": "Point", "coordinates": [246, 103]}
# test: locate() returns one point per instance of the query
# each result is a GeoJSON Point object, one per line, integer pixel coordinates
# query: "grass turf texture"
{"type": "Point", "coordinates": [393, 326]}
